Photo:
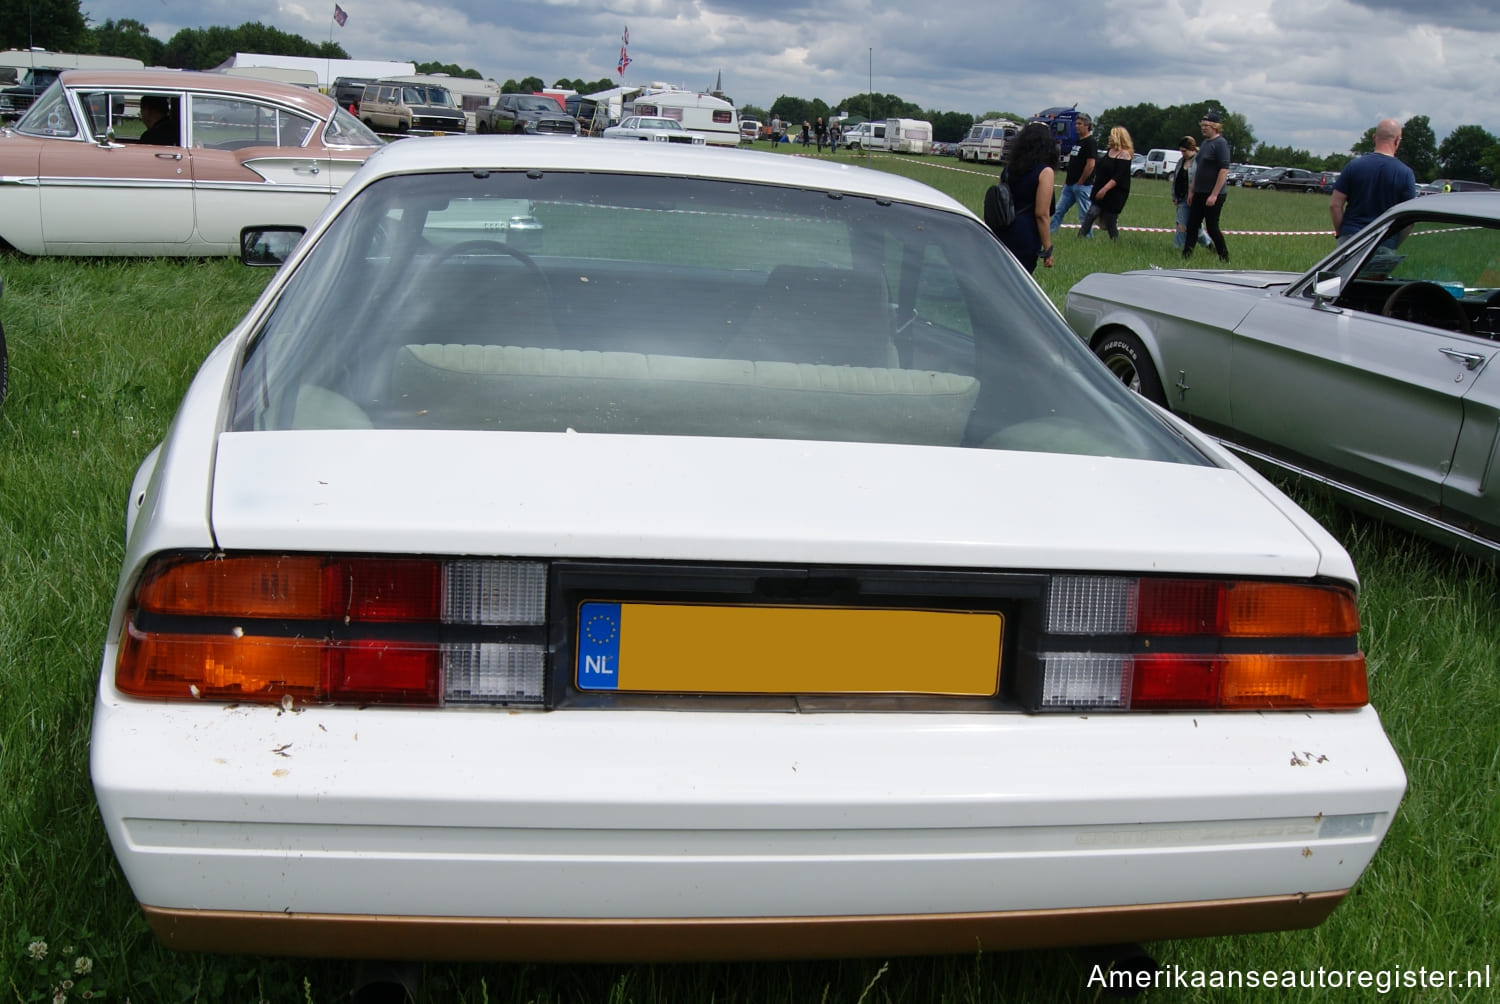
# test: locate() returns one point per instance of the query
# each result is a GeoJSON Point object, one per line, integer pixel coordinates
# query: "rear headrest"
{"type": "Point", "coordinates": [829, 316]}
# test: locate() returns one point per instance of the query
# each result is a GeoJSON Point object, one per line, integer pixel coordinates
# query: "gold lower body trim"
{"type": "Point", "coordinates": [697, 939]}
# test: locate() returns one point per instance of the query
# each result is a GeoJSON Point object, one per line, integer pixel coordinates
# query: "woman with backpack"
{"type": "Point", "coordinates": [1030, 167]}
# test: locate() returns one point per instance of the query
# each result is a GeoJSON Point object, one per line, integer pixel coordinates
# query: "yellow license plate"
{"type": "Point", "coordinates": [708, 649]}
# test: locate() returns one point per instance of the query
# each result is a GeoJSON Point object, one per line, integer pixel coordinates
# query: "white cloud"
{"type": "Point", "coordinates": [1313, 74]}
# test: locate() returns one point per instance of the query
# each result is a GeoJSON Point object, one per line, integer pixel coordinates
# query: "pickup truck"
{"type": "Point", "coordinates": [532, 114]}
{"type": "Point", "coordinates": [15, 100]}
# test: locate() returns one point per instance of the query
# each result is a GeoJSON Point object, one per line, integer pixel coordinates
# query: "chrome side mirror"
{"type": "Point", "coordinates": [1326, 289]}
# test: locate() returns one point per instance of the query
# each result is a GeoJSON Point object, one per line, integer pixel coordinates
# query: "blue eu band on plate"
{"type": "Point", "coordinates": [703, 648]}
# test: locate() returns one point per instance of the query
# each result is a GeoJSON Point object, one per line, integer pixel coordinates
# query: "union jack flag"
{"type": "Point", "coordinates": [625, 61]}
{"type": "Point", "coordinates": [339, 15]}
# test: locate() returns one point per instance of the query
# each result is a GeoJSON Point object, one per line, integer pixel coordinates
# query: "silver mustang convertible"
{"type": "Point", "coordinates": [1374, 372]}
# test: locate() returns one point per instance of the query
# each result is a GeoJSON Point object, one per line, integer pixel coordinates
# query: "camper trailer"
{"type": "Point", "coordinates": [987, 141]}
{"type": "Point", "coordinates": [714, 117]}
{"type": "Point", "coordinates": [908, 135]}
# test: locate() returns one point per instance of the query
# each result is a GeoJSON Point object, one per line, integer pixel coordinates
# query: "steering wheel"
{"type": "Point", "coordinates": [528, 301]}
{"type": "Point", "coordinates": [496, 247]}
{"type": "Point", "coordinates": [1427, 303]}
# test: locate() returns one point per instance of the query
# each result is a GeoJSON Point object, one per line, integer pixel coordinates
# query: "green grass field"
{"type": "Point", "coordinates": [101, 353]}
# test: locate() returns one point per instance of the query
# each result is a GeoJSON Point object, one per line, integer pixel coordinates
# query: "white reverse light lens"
{"type": "Point", "coordinates": [493, 673]}
{"type": "Point", "coordinates": [1091, 604]}
{"type": "Point", "coordinates": [1085, 680]}
{"type": "Point", "coordinates": [510, 593]}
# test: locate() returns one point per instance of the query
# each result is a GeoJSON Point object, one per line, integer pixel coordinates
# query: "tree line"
{"type": "Point", "coordinates": [1469, 152]}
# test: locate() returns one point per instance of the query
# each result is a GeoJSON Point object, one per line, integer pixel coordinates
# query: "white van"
{"type": "Point", "coordinates": [908, 135]}
{"type": "Point", "coordinates": [1161, 163]}
{"type": "Point", "coordinates": [987, 141]}
{"type": "Point", "coordinates": [865, 136]}
{"type": "Point", "coordinates": [714, 117]}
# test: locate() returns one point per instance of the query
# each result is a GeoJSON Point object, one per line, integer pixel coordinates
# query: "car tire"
{"type": "Point", "coordinates": [1129, 361]}
{"type": "Point", "coordinates": [481, 126]}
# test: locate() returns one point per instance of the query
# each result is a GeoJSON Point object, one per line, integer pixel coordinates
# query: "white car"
{"type": "Point", "coordinates": [81, 174]}
{"type": "Point", "coordinates": [654, 129]}
{"type": "Point", "coordinates": [660, 594]}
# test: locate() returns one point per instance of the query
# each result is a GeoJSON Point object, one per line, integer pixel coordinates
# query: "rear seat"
{"type": "Point", "coordinates": [829, 316]}
{"type": "Point", "coordinates": [537, 389]}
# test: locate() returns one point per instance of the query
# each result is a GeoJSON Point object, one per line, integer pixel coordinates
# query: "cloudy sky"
{"type": "Point", "coordinates": [1311, 74]}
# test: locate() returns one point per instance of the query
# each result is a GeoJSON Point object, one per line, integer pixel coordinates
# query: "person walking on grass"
{"type": "Point", "coordinates": [1111, 185]}
{"type": "Point", "coordinates": [1207, 196]}
{"type": "Point", "coordinates": [1371, 184]}
{"type": "Point", "coordinates": [1182, 183]}
{"type": "Point", "coordinates": [1079, 177]}
{"type": "Point", "coordinates": [1029, 171]}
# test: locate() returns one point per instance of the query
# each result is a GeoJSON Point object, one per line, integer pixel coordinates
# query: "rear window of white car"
{"type": "Point", "coordinates": [630, 304]}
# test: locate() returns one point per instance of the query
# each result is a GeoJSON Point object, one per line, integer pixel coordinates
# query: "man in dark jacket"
{"type": "Point", "coordinates": [162, 127]}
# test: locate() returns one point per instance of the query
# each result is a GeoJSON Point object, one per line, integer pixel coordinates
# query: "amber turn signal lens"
{"type": "Point", "coordinates": [1294, 681]}
{"type": "Point", "coordinates": [250, 586]}
{"type": "Point", "coordinates": [1282, 610]}
{"type": "Point", "coordinates": [192, 667]}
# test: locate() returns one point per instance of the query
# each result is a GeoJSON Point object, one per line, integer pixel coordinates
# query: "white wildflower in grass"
{"type": "Point", "coordinates": [37, 949]}
{"type": "Point", "coordinates": [68, 950]}
{"type": "Point", "coordinates": [59, 996]}
{"type": "Point", "coordinates": [83, 965]}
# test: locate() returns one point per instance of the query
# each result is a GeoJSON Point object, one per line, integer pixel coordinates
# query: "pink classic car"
{"type": "Point", "coordinates": [164, 162]}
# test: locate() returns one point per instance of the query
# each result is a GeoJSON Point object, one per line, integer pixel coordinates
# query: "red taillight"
{"type": "Point", "coordinates": [296, 588]}
{"type": "Point", "coordinates": [1175, 681]}
{"type": "Point", "coordinates": [1245, 609]}
{"type": "Point", "coordinates": [348, 629]}
{"type": "Point", "coordinates": [381, 672]}
{"type": "Point", "coordinates": [258, 669]}
{"type": "Point", "coordinates": [1244, 682]}
{"type": "Point", "coordinates": [1201, 643]}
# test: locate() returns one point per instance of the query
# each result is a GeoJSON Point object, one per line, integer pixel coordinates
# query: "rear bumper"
{"type": "Point", "coordinates": [722, 938]}
{"type": "Point", "coordinates": [662, 835]}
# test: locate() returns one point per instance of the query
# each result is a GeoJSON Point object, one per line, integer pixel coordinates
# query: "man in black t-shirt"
{"type": "Point", "coordinates": [1079, 180]}
{"type": "Point", "coordinates": [1371, 184]}
{"type": "Point", "coordinates": [1211, 174]}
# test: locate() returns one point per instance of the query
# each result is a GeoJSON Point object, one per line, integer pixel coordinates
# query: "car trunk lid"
{"type": "Point", "coordinates": [555, 495]}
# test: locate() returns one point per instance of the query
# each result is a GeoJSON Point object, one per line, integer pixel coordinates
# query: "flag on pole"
{"type": "Point", "coordinates": [624, 55]}
{"type": "Point", "coordinates": [339, 15]}
{"type": "Point", "coordinates": [625, 38]}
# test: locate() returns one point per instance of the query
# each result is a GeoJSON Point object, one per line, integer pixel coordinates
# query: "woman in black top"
{"type": "Point", "coordinates": [1111, 184]}
{"type": "Point", "coordinates": [1030, 166]}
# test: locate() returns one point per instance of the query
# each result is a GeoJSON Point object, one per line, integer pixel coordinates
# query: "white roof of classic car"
{"type": "Point", "coordinates": [310, 101]}
{"type": "Point", "coordinates": [565, 153]}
